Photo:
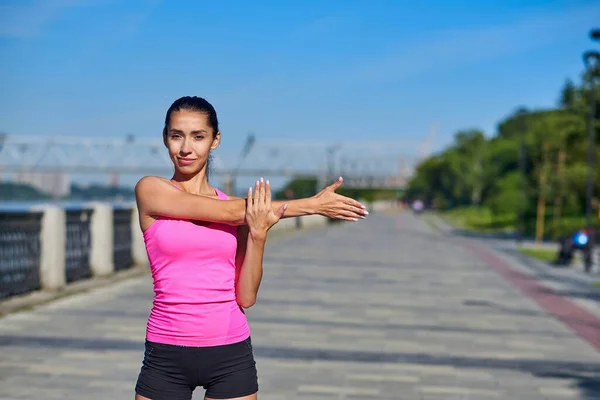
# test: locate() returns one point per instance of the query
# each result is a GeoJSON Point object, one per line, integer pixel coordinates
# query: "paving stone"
{"type": "Point", "coordinates": [381, 309]}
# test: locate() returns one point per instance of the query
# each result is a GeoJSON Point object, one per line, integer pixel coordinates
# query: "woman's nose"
{"type": "Point", "coordinates": [185, 147]}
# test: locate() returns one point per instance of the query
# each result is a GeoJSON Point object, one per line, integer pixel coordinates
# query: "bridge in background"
{"type": "Point", "coordinates": [369, 164]}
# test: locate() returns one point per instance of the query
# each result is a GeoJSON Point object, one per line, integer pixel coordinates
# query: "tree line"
{"type": "Point", "coordinates": [536, 162]}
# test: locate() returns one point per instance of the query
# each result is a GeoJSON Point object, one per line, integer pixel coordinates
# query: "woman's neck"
{"type": "Point", "coordinates": [197, 184]}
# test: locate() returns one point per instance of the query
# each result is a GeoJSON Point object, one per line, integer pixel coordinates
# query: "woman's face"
{"type": "Point", "coordinates": [190, 139]}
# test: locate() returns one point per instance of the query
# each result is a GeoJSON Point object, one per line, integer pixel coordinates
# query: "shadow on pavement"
{"type": "Point", "coordinates": [368, 325]}
{"type": "Point", "coordinates": [581, 294]}
{"type": "Point", "coordinates": [588, 384]}
{"type": "Point", "coordinates": [405, 327]}
{"type": "Point", "coordinates": [585, 375]}
{"type": "Point", "coordinates": [69, 343]}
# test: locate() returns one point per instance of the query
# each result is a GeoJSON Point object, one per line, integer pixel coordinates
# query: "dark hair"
{"type": "Point", "coordinates": [197, 104]}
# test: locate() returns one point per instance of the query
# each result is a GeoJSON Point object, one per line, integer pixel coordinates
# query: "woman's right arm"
{"type": "Point", "coordinates": [156, 196]}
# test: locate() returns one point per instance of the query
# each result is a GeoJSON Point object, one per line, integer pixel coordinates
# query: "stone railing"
{"type": "Point", "coordinates": [48, 247]}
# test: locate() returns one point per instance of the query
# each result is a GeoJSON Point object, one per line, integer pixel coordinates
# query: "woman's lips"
{"type": "Point", "coordinates": [186, 161]}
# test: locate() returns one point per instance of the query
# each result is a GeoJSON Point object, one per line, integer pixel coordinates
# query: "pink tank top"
{"type": "Point", "coordinates": [193, 267]}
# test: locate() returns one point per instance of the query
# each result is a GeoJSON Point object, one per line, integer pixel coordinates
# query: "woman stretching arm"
{"type": "Point", "coordinates": [159, 197]}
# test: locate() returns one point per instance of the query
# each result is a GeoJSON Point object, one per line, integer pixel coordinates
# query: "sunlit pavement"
{"type": "Point", "coordinates": [385, 308]}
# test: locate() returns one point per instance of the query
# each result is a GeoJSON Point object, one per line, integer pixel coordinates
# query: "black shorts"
{"type": "Point", "coordinates": [173, 372]}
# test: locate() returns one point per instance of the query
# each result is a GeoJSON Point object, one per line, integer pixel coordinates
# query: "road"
{"type": "Point", "coordinates": [385, 308]}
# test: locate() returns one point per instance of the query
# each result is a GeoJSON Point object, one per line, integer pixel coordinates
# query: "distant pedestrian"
{"type": "Point", "coordinates": [205, 250]}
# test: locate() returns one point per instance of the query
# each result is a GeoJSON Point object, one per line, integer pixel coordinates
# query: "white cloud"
{"type": "Point", "coordinates": [454, 47]}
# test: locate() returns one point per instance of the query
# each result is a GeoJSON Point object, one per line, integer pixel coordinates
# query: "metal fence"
{"type": "Point", "coordinates": [19, 252]}
{"type": "Point", "coordinates": [122, 255]}
{"type": "Point", "coordinates": [20, 247]}
{"type": "Point", "coordinates": [78, 246]}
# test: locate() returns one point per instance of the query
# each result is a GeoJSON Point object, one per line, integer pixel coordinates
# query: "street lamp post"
{"type": "Point", "coordinates": [331, 150]}
{"type": "Point", "coordinates": [230, 180]}
{"type": "Point", "coordinates": [325, 174]}
{"type": "Point", "coordinates": [330, 161]}
{"type": "Point", "coordinates": [591, 60]}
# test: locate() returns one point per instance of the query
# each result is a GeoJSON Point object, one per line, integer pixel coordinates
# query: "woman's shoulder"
{"type": "Point", "coordinates": [150, 184]}
{"type": "Point", "coordinates": [151, 180]}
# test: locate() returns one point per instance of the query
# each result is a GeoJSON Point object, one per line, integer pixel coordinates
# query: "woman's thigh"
{"type": "Point", "coordinates": [167, 373]}
{"type": "Point", "coordinates": [233, 374]}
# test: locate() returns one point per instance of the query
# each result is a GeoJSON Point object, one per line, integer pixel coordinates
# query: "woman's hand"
{"type": "Point", "coordinates": [259, 213]}
{"type": "Point", "coordinates": [336, 206]}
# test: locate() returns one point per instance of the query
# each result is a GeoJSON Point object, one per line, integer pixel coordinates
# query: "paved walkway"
{"type": "Point", "coordinates": [386, 308]}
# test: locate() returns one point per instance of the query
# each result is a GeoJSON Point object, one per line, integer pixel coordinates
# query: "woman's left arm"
{"type": "Point", "coordinates": [249, 259]}
{"type": "Point", "coordinates": [327, 203]}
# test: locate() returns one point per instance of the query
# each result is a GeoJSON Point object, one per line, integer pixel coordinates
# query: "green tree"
{"type": "Point", "coordinates": [484, 172]}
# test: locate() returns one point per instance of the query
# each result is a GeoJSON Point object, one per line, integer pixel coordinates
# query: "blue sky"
{"type": "Point", "coordinates": [349, 71]}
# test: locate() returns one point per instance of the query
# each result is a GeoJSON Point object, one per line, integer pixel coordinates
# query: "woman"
{"type": "Point", "coordinates": [205, 251]}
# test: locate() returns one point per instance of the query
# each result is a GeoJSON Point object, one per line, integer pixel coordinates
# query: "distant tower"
{"type": "Point", "coordinates": [426, 146]}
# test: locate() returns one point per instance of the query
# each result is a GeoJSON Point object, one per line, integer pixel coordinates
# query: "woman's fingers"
{"type": "Point", "coordinates": [256, 193]}
{"type": "Point", "coordinates": [349, 215]}
{"type": "Point", "coordinates": [343, 208]}
{"type": "Point", "coordinates": [279, 213]}
{"type": "Point", "coordinates": [352, 202]}
{"type": "Point", "coordinates": [361, 212]}
{"type": "Point", "coordinates": [261, 196]}
{"type": "Point", "coordinates": [268, 195]}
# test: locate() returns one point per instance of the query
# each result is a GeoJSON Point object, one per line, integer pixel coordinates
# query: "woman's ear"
{"type": "Point", "coordinates": [216, 141]}
{"type": "Point", "coordinates": [165, 137]}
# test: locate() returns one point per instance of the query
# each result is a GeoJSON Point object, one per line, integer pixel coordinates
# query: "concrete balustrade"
{"type": "Point", "coordinates": [53, 245]}
{"type": "Point", "coordinates": [67, 248]}
{"type": "Point", "coordinates": [101, 230]}
{"type": "Point", "coordinates": [303, 222]}
{"type": "Point", "coordinates": [309, 221]}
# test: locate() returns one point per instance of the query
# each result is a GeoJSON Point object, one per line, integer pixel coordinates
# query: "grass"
{"type": "Point", "coordinates": [597, 284]}
{"type": "Point", "coordinates": [481, 219]}
{"type": "Point", "coordinates": [546, 255]}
